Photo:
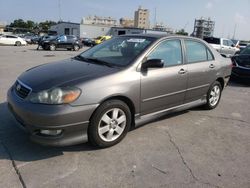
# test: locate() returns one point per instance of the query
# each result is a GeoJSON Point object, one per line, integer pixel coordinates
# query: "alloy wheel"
{"type": "Point", "coordinates": [112, 124]}
{"type": "Point", "coordinates": [214, 95]}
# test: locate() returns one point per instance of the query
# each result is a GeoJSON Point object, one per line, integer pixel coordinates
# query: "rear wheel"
{"type": "Point", "coordinates": [18, 43]}
{"type": "Point", "coordinates": [109, 124]}
{"type": "Point", "coordinates": [213, 95]}
{"type": "Point", "coordinates": [52, 47]}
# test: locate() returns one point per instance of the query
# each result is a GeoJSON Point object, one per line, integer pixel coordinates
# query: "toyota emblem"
{"type": "Point", "coordinates": [18, 87]}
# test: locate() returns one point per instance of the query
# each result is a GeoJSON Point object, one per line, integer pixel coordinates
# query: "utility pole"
{"type": "Point", "coordinates": [235, 26]}
{"type": "Point", "coordinates": [59, 9]}
{"type": "Point", "coordinates": [155, 21]}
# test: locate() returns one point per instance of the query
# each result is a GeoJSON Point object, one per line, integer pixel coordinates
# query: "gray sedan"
{"type": "Point", "coordinates": [98, 95]}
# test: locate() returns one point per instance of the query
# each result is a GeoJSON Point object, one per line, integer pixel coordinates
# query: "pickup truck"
{"type": "Point", "coordinates": [225, 47]}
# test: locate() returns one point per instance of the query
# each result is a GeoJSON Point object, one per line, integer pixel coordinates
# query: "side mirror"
{"type": "Point", "coordinates": [152, 63]}
{"type": "Point", "coordinates": [233, 45]}
{"type": "Point", "coordinates": [223, 55]}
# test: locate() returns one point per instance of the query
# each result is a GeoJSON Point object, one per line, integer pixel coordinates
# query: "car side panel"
{"type": "Point", "coordinates": [162, 88]}
{"type": "Point", "coordinates": [200, 77]}
{"type": "Point", "coordinates": [125, 83]}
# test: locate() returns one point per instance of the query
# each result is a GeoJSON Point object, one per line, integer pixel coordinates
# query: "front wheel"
{"type": "Point", "coordinates": [213, 96]}
{"type": "Point", "coordinates": [52, 47]}
{"type": "Point", "coordinates": [109, 124]}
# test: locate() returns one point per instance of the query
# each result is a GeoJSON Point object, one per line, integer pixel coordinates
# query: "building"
{"type": "Point", "coordinates": [96, 20]}
{"type": "Point", "coordinates": [161, 27]}
{"type": "Point", "coordinates": [2, 27]}
{"type": "Point", "coordinates": [203, 28]}
{"type": "Point", "coordinates": [66, 28]}
{"type": "Point", "coordinates": [127, 22]}
{"type": "Point", "coordinates": [93, 31]}
{"type": "Point", "coordinates": [141, 18]}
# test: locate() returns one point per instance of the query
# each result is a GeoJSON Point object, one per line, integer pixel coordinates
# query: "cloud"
{"type": "Point", "coordinates": [240, 19]}
{"type": "Point", "coordinates": [209, 5]}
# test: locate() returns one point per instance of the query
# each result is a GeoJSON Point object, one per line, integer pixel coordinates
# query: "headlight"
{"type": "Point", "coordinates": [56, 96]}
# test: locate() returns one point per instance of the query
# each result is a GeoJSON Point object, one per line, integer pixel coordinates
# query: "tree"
{"type": "Point", "coordinates": [20, 23]}
{"type": "Point", "coordinates": [44, 26]}
{"type": "Point", "coordinates": [182, 32]}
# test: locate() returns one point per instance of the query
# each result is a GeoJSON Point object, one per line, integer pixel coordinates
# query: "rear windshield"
{"type": "Point", "coordinates": [212, 40]}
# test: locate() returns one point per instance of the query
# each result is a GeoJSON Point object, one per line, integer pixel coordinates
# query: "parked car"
{"type": "Point", "coordinates": [224, 46]}
{"type": "Point", "coordinates": [68, 42]}
{"type": "Point", "coordinates": [101, 39]}
{"type": "Point", "coordinates": [241, 65]}
{"type": "Point", "coordinates": [99, 94]}
{"type": "Point", "coordinates": [88, 42]}
{"type": "Point", "coordinates": [12, 40]}
{"type": "Point", "coordinates": [28, 38]}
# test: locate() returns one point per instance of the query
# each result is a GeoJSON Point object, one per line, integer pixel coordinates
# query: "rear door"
{"type": "Point", "coordinates": [11, 39]}
{"type": "Point", "coordinates": [3, 40]}
{"type": "Point", "coordinates": [201, 67]}
{"type": "Point", "coordinates": [163, 88]}
{"type": "Point", "coordinates": [62, 41]}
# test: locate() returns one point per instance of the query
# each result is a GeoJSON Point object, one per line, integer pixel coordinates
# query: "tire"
{"type": "Point", "coordinates": [52, 47]}
{"type": "Point", "coordinates": [69, 49]}
{"type": "Point", "coordinates": [76, 47]}
{"type": "Point", "coordinates": [213, 96]}
{"type": "Point", "coordinates": [109, 124]}
{"type": "Point", "coordinates": [18, 43]}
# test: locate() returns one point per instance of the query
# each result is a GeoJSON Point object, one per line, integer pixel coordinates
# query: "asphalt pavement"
{"type": "Point", "coordinates": [194, 148]}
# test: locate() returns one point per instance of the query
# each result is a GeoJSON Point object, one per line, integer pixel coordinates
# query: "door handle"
{"type": "Point", "coordinates": [182, 71]}
{"type": "Point", "coordinates": [211, 66]}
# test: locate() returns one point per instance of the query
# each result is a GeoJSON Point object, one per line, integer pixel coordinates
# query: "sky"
{"type": "Point", "coordinates": [231, 17]}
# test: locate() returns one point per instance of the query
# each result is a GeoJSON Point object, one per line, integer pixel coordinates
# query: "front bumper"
{"type": "Point", "coordinates": [71, 120]}
{"type": "Point", "coordinates": [241, 73]}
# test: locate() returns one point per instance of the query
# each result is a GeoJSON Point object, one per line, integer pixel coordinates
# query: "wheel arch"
{"type": "Point", "coordinates": [221, 81]}
{"type": "Point", "coordinates": [124, 99]}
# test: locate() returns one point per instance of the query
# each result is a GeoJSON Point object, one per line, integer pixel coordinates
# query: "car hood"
{"type": "Point", "coordinates": [62, 73]}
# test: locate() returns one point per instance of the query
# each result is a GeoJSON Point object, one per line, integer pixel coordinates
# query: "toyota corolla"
{"type": "Point", "coordinates": [99, 94]}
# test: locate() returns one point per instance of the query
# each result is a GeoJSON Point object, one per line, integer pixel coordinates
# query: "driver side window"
{"type": "Point", "coordinates": [169, 51]}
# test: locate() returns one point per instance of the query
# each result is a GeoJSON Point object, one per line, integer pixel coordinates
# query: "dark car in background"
{"type": "Point", "coordinates": [99, 94]}
{"type": "Point", "coordinates": [241, 65]}
{"type": "Point", "coordinates": [88, 42]}
{"type": "Point", "coordinates": [68, 42]}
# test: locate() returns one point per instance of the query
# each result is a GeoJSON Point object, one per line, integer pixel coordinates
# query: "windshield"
{"type": "Point", "coordinates": [246, 50]}
{"type": "Point", "coordinates": [212, 40]}
{"type": "Point", "coordinates": [118, 51]}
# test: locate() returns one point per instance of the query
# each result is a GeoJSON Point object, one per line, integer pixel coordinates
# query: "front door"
{"type": "Point", "coordinates": [163, 88]}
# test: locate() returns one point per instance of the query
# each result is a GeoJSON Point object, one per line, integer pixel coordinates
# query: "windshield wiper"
{"type": "Point", "coordinates": [93, 60]}
{"type": "Point", "coordinates": [81, 58]}
{"type": "Point", "coordinates": [99, 61]}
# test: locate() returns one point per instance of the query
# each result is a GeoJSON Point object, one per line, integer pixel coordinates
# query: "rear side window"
{"type": "Point", "coordinates": [197, 52]}
{"type": "Point", "coordinates": [225, 43]}
{"type": "Point", "coordinates": [212, 40]}
{"type": "Point", "coordinates": [12, 37]}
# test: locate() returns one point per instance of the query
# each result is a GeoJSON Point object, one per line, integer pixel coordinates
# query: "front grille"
{"type": "Point", "coordinates": [22, 90]}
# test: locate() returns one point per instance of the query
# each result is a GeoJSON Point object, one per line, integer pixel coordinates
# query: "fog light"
{"type": "Point", "coordinates": [51, 132]}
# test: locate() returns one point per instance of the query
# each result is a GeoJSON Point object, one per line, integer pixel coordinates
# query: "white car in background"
{"type": "Point", "coordinates": [12, 40]}
{"type": "Point", "coordinates": [225, 47]}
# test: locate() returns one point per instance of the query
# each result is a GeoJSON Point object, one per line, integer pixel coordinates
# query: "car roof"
{"type": "Point", "coordinates": [159, 36]}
